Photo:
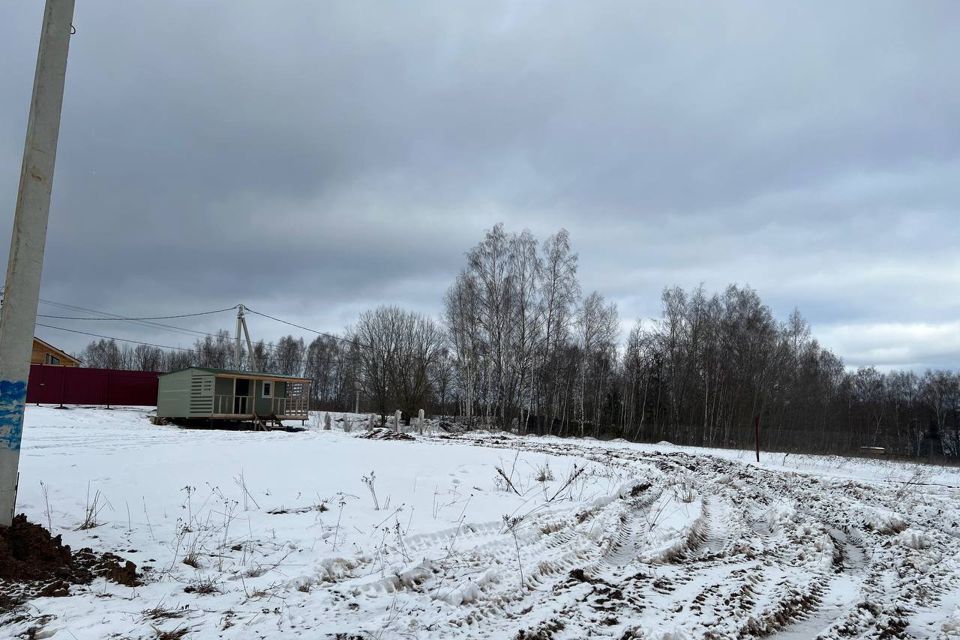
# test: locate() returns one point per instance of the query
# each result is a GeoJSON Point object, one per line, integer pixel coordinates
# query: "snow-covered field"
{"type": "Point", "coordinates": [284, 537]}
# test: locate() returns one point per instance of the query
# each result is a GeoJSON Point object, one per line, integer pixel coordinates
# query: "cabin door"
{"type": "Point", "coordinates": [241, 396]}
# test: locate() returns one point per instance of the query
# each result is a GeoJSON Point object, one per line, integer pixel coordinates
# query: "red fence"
{"type": "Point", "coordinates": [76, 385]}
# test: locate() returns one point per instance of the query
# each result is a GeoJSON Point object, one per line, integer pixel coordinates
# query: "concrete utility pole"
{"type": "Point", "coordinates": [236, 346]}
{"type": "Point", "coordinates": [22, 289]}
{"type": "Point", "coordinates": [242, 323]}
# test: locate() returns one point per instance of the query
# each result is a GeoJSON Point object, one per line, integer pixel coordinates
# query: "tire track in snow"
{"type": "Point", "coordinates": [790, 600]}
{"type": "Point", "coordinates": [763, 554]}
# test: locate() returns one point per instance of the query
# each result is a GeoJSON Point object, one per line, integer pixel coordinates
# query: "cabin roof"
{"type": "Point", "coordinates": [244, 374]}
{"type": "Point", "coordinates": [63, 355]}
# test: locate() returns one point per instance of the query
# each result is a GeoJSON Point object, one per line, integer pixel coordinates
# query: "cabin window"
{"type": "Point", "coordinates": [267, 389]}
{"type": "Point", "coordinates": [52, 359]}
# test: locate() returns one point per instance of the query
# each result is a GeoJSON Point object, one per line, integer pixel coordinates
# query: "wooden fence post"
{"type": "Point", "coordinates": [756, 425]}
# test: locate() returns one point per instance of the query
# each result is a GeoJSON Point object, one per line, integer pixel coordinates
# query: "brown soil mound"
{"type": "Point", "coordinates": [382, 433]}
{"type": "Point", "coordinates": [33, 563]}
{"type": "Point", "coordinates": [27, 552]}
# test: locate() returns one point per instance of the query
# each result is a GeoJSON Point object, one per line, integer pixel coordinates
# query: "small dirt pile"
{"type": "Point", "coordinates": [452, 427]}
{"type": "Point", "coordinates": [34, 564]}
{"type": "Point", "coordinates": [382, 433]}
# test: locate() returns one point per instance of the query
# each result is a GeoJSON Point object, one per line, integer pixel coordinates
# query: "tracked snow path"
{"type": "Point", "coordinates": [838, 599]}
{"type": "Point", "coordinates": [759, 553]}
{"type": "Point", "coordinates": [591, 540]}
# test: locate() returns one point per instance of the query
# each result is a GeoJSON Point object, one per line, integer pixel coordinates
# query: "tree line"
{"type": "Point", "coordinates": [520, 347]}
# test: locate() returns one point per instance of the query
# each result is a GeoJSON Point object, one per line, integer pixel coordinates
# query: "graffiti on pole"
{"type": "Point", "coordinates": [13, 394]}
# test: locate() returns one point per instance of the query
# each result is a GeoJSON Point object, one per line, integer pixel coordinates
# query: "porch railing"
{"type": "Point", "coordinates": [233, 405]}
{"type": "Point", "coordinates": [244, 405]}
{"type": "Point", "coordinates": [291, 406]}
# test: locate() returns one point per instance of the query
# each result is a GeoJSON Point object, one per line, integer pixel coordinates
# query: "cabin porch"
{"type": "Point", "coordinates": [246, 397]}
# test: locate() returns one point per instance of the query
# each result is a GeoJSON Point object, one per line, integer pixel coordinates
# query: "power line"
{"type": "Point", "coordinates": [132, 320]}
{"type": "Point", "coordinates": [140, 321]}
{"type": "Point", "coordinates": [146, 321]}
{"type": "Point", "coordinates": [322, 333]}
{"type": "Point", "coordinates": [97, 335]}
{"type": "Point", "coordinates": [121, 318]}
{"type": "Point", "coordinates": [319, 333]}
{"type": "Point", "coordinates": [268, 348]}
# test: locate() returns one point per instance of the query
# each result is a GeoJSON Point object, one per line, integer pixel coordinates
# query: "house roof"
{"type": "Point", "coordinates": [63, 355]}
{"type": "Point", "coordinates": [245, 374]}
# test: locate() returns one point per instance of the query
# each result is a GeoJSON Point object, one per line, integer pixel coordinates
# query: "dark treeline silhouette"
{"type": "Point", "coordinates": [711, 364]}
{"type": "Point", "coordinates": [520, 347]}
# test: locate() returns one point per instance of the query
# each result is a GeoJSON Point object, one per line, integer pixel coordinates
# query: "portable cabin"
{"type": "Point", "coordinates": [222, 394]}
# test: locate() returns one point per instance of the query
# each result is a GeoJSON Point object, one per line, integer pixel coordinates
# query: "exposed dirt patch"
{"type": "Point", "coordinates": [639, 488]}
{"type": "Point", "coordinates": [545, 631]}
{"type": "Point", "coordinates": [382, 433]}
{"type": "Point", "coordinates": [583, 516]}
{"type": "Point", "coordinates": [115, 569]}
{"type": "Point", "coordinates": [579, 575]}
{"type": "Point", "coordinates": [35, 564]}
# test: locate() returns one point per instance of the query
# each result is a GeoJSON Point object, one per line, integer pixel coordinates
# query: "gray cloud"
{"type": "Point", "coordinates": [312, 160]}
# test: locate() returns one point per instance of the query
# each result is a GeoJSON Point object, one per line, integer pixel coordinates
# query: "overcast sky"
{"type": "Point", "coordinates": [314, 159]}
